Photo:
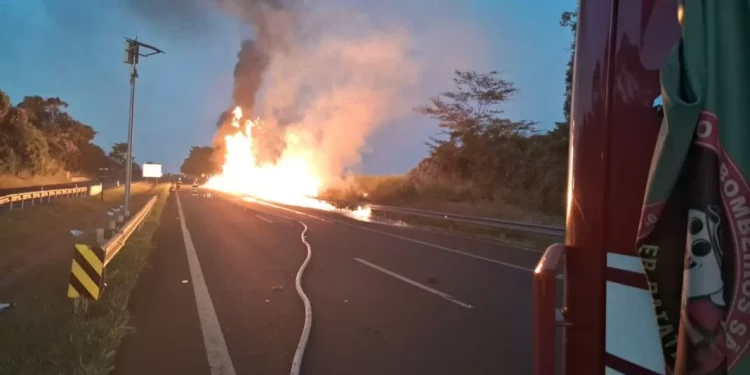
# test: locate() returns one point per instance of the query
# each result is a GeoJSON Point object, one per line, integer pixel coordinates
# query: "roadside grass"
{"type": "Point", "coordinates": [43, 335]}
{"type": "Point", "coordinates": [399, 190]}
{"type": "Point", "coordinates": [21, 226]}
{"type": "Point", "coordinates": [17, 181]}
{"type": "Point", "coordinates": [461, 199]}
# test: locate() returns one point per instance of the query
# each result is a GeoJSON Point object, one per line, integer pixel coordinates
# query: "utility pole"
{"type": "Point", "coordinates": [132, 52]}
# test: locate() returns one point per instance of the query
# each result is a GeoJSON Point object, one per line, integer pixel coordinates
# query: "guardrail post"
{"type": "Point", "coordinates": [80, 305]}
{"type": "Point", "coordinates": [112, 228]}
{"type": "Point", "coordinates": [100, 236]}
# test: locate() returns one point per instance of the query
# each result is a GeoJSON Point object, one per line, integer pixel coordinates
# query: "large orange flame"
{"type": "Point", "coordinates": [292, 180]}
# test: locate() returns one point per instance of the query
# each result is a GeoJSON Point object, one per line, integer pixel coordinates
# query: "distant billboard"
{"type": "Point", "coordinates": [95, 189]}
{"type": "Point", "coordinates": [152, 170]}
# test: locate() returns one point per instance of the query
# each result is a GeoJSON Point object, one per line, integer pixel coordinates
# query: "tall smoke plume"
{"type": "Point", "coordinates": [274, 24]}
{"type": "Point", "coordinates": [324, 74]}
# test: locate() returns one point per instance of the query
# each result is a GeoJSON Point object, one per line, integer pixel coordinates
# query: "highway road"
{"type": "Point", "coordinates": [219, 296]}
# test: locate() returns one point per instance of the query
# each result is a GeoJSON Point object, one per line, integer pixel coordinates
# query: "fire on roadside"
{"type": "Point", "coordinates": [291, 180]}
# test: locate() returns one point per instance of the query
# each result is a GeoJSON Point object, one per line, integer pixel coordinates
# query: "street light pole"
{"type": "Point", "coordinates": [129, 165]}
{"type": "Point", "coordinates": [132, 52]}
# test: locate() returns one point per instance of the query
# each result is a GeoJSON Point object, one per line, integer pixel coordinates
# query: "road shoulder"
{"type": "Point", "coordinates": [167, 337]}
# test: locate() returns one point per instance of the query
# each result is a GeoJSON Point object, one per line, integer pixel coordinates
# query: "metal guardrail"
{"type": "Point", "coordinates": [117, 241]}
{"type": "Point", "coordinates": [39, 196]}
{"type": "Point", "coordinates": [520, 226]}
{"type": "Point", "coordinates": [89, 262]}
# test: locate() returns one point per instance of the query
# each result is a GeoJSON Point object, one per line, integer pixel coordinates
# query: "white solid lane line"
{"type": "Point", "coordinates": [217, 353]}
{"type": "Point", "coordinates": [264, 219]}
{"type": "Point", "coordinates": [297, 361]}
{"type": "Point", "coordinates": [414, 283]}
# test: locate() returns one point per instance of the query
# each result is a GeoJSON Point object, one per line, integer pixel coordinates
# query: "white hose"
{"type": "Point", "coordinates": [297, 362]}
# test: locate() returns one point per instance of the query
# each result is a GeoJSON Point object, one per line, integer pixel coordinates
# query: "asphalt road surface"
{"type": "Point", "coordinates": [219, 296]}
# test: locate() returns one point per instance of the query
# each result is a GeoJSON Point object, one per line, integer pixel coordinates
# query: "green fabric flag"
{"type": "Point", "coordinates": [694, 236]}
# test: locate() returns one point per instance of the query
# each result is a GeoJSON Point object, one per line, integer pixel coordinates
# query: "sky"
{"type": "Point", "coordinates": [75, 51]}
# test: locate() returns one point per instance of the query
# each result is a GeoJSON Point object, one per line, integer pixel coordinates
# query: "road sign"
{"type": "Point", "coordinates": [87, 273]}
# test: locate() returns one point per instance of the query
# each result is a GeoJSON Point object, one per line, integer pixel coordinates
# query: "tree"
{"type": "Point", "coordinates": [569, 20]}
{"type": "Point", "coordinates": [200, 161]}
{"type": "Point", "coordinates": [118, 161]}
{"type": "Point", "coordinates": [23, 148]}
{"type": "Point", "coordinates": [92, 157]}
{"type": "Point", "coordinates": [119, 154]}
{"type": "Point", "coordinates": [481, 146]}
{"type": "Point", "coordinates": [473, 107]}
{"type": "Point", "coordinates": [65, 136]}
{"type": "Point", "coordinates": [136, 170]}
{"type": "Point", "coordinates": [39, 137]}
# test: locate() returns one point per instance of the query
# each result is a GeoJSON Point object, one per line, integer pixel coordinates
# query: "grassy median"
{"type": "Point", "coordinates": [20, 226]}
{"type": "Point", "coordinates": [43, 334]}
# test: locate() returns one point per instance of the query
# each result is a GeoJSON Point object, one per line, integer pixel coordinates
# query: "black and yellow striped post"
{"type": "Point", "coordinates": [87, 273]}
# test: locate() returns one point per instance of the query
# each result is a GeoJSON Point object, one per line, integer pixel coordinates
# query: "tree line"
{"type": "Point", "coordinates": [38, 137]}
{"type": "Point", "coordinates": [492, 157]}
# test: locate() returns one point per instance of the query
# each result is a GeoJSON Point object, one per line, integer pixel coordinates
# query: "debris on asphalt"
{"type": "Point", "coordinates": [5, 306]}
{"type": "Point", "coordinates": [432, 280]}
{"type": "Point", "coordinates": [267, 300]}
{"type": "Point", "coordinates": [277, 287]}
{"type": "Point", "coordinates": [184, 281]}
{"type": "Point", "coordinates": [76, 232]}
{"type": "Point", "coordinates": [346, 301]}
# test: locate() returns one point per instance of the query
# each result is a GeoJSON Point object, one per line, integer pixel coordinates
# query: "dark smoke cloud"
{"type": "Point", "coordinates": [273, 21]}
{"type": "Point", "coordinates": [273, 24]}
{"type": "Point", "coordinates": [248, 73]}
{"type": "Point", "coordinates": [270, 19]}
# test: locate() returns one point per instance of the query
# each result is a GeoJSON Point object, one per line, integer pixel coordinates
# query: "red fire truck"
{"type": "Point", "coordinates": [608, 315]}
